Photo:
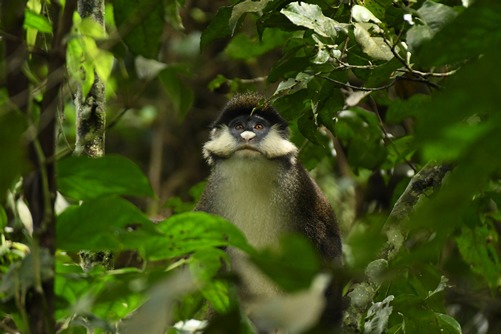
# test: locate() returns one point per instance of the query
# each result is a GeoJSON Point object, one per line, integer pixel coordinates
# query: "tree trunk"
{"type": "Point", "coordinates": [91, 124]}
{"type": "Point", "coordinates": [39, 186]}
{"type": "Point", "coordinates": [91, 112]}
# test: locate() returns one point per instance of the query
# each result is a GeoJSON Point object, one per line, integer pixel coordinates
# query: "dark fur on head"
{"type": "Point", "coordinates": [251, 104]}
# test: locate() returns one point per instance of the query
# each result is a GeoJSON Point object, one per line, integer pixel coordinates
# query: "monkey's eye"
{"type": "Point", "coordinates": [239, 126]}
{"type": "Point", "coordinates": [259, 126]}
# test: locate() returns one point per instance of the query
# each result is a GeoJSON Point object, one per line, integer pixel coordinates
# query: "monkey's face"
{"type": "Point", "coordinates": [248, 136]}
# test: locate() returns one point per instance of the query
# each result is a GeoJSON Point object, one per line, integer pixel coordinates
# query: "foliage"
{"type": "Point", "coordinates": [374, 90]}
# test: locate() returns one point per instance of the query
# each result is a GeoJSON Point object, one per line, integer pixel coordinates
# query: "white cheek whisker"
{"type": "Point", "coordinates": [274, 145]}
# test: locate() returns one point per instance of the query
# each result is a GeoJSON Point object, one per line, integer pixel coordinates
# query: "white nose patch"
{"type": "Point", "coordinates": [248, 135]}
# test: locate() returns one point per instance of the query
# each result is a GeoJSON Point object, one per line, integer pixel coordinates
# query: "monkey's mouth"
{"type": "Point", "coordinates": [247, 147]}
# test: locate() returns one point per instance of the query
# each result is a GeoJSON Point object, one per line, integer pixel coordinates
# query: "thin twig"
{"type": "Point", "coordinates": [387, 136]}
{"type": "Point", "coordinates": [366, 89]}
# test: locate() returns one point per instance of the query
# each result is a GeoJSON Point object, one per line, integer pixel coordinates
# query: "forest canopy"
{"type": "Point", "coordinates": [105, 106]}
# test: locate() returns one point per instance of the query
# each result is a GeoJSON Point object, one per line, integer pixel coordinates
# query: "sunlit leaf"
{"type": "Point", "coordinates": [362, 14]}
{"type": "Point", "coordinates": [37, 21]}
{"type": "Point", "coordinates": [90, 28]}
{"type": "Point", "coordinates": [378, 315]}
{"type": "Point", "coordinates": [173, 13]}
{"type": "Point", "coordinates": [311, 17]}
{"type": "Point", "coordinates": [148, 69]}
{"type": "Point", "coordinates": [374, 47]}
{"type": "Point", "coordinates": [104, 64]}
{"type": "Point", "coordinates": [246, 6]}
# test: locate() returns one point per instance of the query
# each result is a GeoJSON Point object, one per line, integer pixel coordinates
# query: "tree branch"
{"type": "Point", "coordinates": [362, 294]}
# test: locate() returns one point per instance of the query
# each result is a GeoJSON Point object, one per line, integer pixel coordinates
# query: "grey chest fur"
{"type": "Point", "coordinates": [251, 197]}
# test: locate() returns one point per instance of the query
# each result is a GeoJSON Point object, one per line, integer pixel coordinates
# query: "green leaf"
{"type": "Point", "coordinates": [401, 109]}
{"type": "Point", "coordinates": [104, 64]}
{"type": "Point", "coordinates": [192, 231]}
{"type": "Point", "coordinates": [218, 28]}
{"type": "Point", "coordinates": [479, 253]}
{"type": "Point", "coordinates": [205, 264]}
{"type": "Point", "coordinates": [217, 294]}
{"type": "Point", "coordinates": [90, 28]}
{"type": "Point", "coordinates": [455, 140]}
{"type": "Point", "coordinates": [287, 67]}
{"type": "Point", "coordinates": [311, 17]}
{"type": "Point", "coordinates": [179, 93]}
{"type": "Point", "coordinates": [462, 101]}
{"type": "Point", "coordinates": [307, 127]}
{"type": "Point", "coordinates": [359, 131]}
{"type": "Point", "coordinates": [375, 47]}
{"type": "Point", "coordinates": [432, 17]}
{"type": "Point", "coordinates": [173, 15]}
{"type": "Point", "coordinates": [140, 24]}
{"type": "Point", "coordinates": [362, 14]}
{"type": "Point", "coordinates": [448, 325]}
{"type": "Point", "coordinates": [376, 320]}
{"type": "Point", "coordinates": [292, 264]}
{"type": "Point", "coordinates": [83, 178]}
{"type": "Point", "coordinates": [244, 47]}
{"type": "Point", "coordinates": [473, 32]}
{"type": "Point", "coordinates": [378, 7]}
{"type": "Point", "coordinates": [37, 21]}
{"type": "Point", "coordinates": [106, 223]}
{"type": "Point", "coordinates": [246, 6]}
{"type": "Point", "coordinates": [3, 218]}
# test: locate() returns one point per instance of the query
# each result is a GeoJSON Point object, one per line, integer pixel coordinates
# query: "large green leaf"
{"type": "Point", "coordinates": [192, 231]}
{"type": "Point", "coordinates": [108, 223]}
{"type": "Point", "coordinates": [480, 254]}
{"type": "Point", "coordinates": [218, 28]}
{"type": "Point", "coordinates": [36, 21]}
{"type": "Point", "coordinates": [474, 31]}
{"type": "Point", "coordinates": [311, 17]}
{"type": "Point", "coordinates": [140, 24]}
{"type": "Point", "coordinates": [463, 101]}
{"type": "Point", "coordinates": [83, 178]}
{"type": "Point", "coordinates": [432, 17]}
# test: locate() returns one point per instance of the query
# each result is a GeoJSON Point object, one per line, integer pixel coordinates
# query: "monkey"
{"type": "Point", "coordinates": [258, 183]}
